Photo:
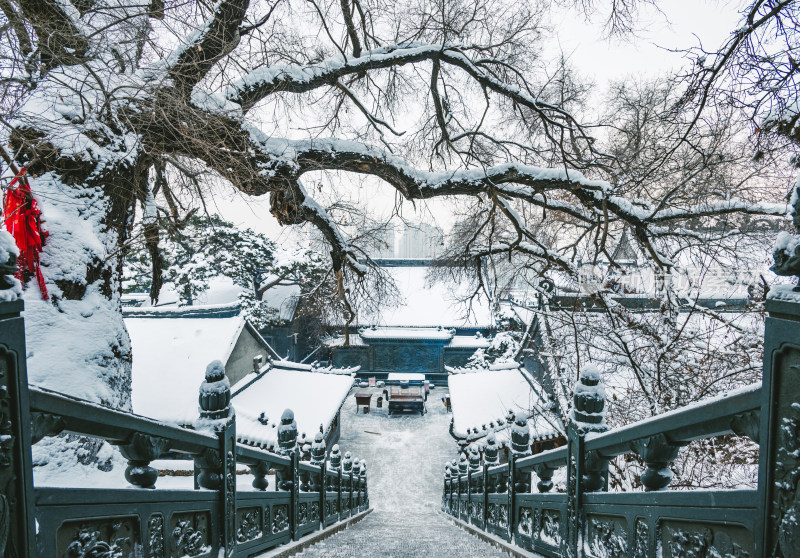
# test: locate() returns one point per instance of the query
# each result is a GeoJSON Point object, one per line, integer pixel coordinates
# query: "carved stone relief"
{"type": "Point", "coordinates": [683, 539]}
{"type": "Point", "coordinates": [114, 537]}
{"type": "Point", "coordinates": [189, 534]}
{"type": "Point", "coordinates": [607, 537]}
{"type": "Point", "coordinates": [156, 542]}
{"type": "Point", "coordinates": [249, 524]}
{"type": "Point", "coordinates": [280, 518]}
{"type": "Point", "coordinates": [551, 528]}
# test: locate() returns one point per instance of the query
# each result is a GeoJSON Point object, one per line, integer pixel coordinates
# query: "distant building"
{"type": "Point", "coordinates": [421, 240]}
{"type": "Point", "coordinates": [432, 330]}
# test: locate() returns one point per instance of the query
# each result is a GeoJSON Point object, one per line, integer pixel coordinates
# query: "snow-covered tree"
{"type": "Point", "coordinates": [435, 99]}
{"type": "Point", "coordinates": [203, 248]}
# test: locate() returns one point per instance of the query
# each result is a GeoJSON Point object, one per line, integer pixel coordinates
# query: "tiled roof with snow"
{"type": "Point", "coordinates": [482, 397]}
{"type": "Point", "coordinates": [469, 342]}
{"type": "Point", "coordinates": [315, 398]}
{"type": "Point", "coordinates": [407, 333]}
{"type": "Point", "coordinates": [170, 358]}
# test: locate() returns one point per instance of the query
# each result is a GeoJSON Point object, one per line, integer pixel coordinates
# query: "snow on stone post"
{"type": "Point", "coordinates": [363, 482]}
{"type": "Point", "coordinates": [287, 433]}
{"type": "Point", "coordinates": [446, 488]}
{"type": "Point", "coordinates": [589, 415]}
{"type": "Point", "coordinates": [475, 469]}
{"type": "Point", "coordinates": [305, 455]}
{"type": "Point", "coordinates": [521, 447]}
{"type": "Point", "coordinates": [787, 246]}
{"type": "Point", "coordinates": [355, 482]}
{"type": "Point", "coordinates": [335, 464]}
{"type": "Point", "coordinates": [318, 459]}
{"type": "Point", "coordinates": [287, 441]}
{"type": "Point", "coordinates": [491, 451]}
{"type": "Point", "coordinates": [491, 458]}
{"type": "Point", "coordinates": [217, 469]}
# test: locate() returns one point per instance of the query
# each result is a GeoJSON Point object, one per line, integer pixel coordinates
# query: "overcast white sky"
{"type": "Point", "coordinates": [680, 24]}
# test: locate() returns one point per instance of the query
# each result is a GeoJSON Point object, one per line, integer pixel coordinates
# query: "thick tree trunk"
{"type": "Point", "coordinates": [77, 341]}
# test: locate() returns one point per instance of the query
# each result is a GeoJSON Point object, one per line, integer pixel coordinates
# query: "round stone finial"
{"type": "Point", "coordinates": [491, 451]}
{"type": "Point", "coordinates": [463, 464]}
{"type": "Point", "coordinates": [474, 458]}
{"type": "Point", "coordinates": [521, 436]}
{"type": "Point", "coordinates": [215, 371]}
{"type": "Point", "coordinates": [318, 449]}
{"type": "Point", "coordinates": [335, 458]}
{"type": "Point", "coordinates": [589, 398]}
{"type": "Point", "coordinates": [215, 393]}
{"type": "Point", "coordinates": [287, 432]}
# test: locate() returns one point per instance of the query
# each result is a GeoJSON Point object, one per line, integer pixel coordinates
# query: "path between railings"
{"type": "Point", "coordinates": [404, 456]}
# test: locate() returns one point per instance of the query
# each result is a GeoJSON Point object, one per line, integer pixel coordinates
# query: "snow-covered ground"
{"type": "Point", "coordinates": [405, 458]}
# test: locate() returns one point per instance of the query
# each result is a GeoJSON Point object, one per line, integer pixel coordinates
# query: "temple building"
{"type": "Point", "coordinates": [432, 330]}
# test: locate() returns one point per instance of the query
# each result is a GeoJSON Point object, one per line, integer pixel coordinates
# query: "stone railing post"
{"type": "Point", "coordinates": [355, 484]}
{"type": "Point", "coordinates": [491, 457]}
{"type": "Point", "coordinates": [485, 495]}
{"type": "Point", "coordinates": [16, 475]}
{"type": "Point", "coordinates": [217, 469]}
{"type": "Point", "coordinates": [445, 486]}
{"type": "Point", "coordinates": [347, 469]}
{"type": "Point", "coordinates": [453, 484]}
{"type": "Point", "coordinates": [779, 442]}
{"type": "Point", "coordinates": [294, 506]}
{"type": "Point", "coordinates": [521, 447]}
{"type": "Point", "coordinates": [512, 500]}
{"type": "Point", "coordinates": [287, 441]}
{"type": "Point", "coordinates": [584, 473]}
{"type": "Point", "coordinates": [364, 484]}
{"type": "Point", "coordinates": [304, 447]}
{"type": "Point", "coordinates": [474, 469]}
{"type": "Point", "coordinates": [318, 459]}
{"type": "Point", "coordinates": [334, 464]}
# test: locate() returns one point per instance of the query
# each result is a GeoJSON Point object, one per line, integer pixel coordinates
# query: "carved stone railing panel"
{"type": "Point", "coordinates": [249, 524]}
{"type": "Point", "coordinates": [112, 536]}
{"type": "Point", "coordinates": [189, 534]}
{"type": "Point", "coordinates": [588, 521]}
{"type": "Point", "coordinates": [683, 539]}
{"type": "Point", "coordinates": [606, 536]}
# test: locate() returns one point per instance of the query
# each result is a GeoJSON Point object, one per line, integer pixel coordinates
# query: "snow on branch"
{"type": "Point", "coordinates": [218, 36]}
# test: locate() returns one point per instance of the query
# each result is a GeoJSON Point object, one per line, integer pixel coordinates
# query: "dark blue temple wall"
{"type": "Point", "coordinates": [347, 357]}
{"type": "Point", "coordinates": [407, 356]}
{"type": "Point", "coordinates": [457, 358]}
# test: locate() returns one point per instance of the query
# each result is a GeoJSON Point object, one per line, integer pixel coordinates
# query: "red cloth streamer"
{"type": "Point", "coordinates": [24, 222]}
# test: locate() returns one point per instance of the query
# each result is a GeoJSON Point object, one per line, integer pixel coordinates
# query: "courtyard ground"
{"type": "Point", "coordinates": [405, 458]}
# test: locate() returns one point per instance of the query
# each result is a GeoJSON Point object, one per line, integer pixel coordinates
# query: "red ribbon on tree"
{"type": "Point", "coordinates": [24, 222]}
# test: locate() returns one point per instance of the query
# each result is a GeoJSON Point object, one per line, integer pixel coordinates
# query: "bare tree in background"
{"type": "Point", "coordinates": [436, 99]}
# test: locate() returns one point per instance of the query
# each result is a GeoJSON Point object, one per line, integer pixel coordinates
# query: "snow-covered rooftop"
{"type": "Point", "coordinates": [469, 342]}
{"type": "Point", "coordinates": [407, 333]}
{"type": "Point", "coordinates": [170, 358]}
{"type": "Point", "coordinates": [482, 397]}
{"type": "Point", "coordinates": [314, 397]}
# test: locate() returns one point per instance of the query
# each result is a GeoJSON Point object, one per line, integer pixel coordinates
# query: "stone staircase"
{"type": "Point", "coordinates": [398, 535]}
{"type": "Point", "coordinates": [405, 458]}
